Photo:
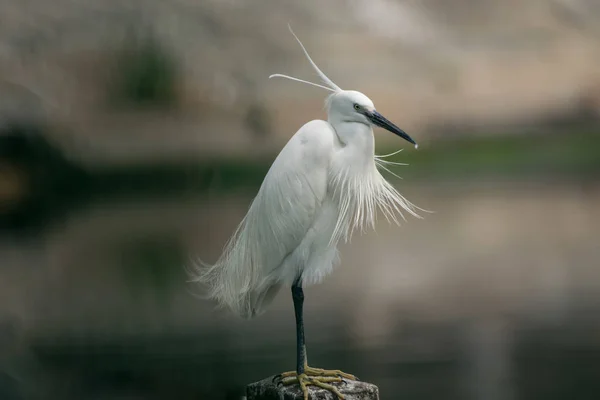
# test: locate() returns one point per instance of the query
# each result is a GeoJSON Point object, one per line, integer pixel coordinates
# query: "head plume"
{"type": "Point", "coordinates": [332, 87]}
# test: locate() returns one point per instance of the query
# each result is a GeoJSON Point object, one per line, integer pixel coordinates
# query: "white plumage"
{"type": "Point", "coordinates": [323, 185]}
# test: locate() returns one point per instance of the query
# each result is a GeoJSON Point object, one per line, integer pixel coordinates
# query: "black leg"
{"type": "Point", "coordinates": [298, 296]}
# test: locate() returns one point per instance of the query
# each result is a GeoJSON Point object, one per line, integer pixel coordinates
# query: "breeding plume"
{"type": "Point", "coordinates": [322, 186]}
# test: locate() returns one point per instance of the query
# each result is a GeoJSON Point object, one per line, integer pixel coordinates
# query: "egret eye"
{"type": "Point", "coordinates": [356, 107]}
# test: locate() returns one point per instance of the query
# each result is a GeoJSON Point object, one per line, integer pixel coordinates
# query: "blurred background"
{"type": "Point", "coordinates": [134, 134]}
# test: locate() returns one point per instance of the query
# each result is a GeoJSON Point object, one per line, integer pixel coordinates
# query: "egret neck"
{"type": "Point", "coordinates": [357, 141]}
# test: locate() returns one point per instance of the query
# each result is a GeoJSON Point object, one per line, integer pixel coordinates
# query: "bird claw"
{"type": "Point", "coordinates": [315, 377]}
{"type": "Point", "coordinates": [323, 382]}
{"type": "Point", "coordinates": [311, 371]}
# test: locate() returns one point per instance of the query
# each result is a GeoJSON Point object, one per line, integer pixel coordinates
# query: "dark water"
{"type": "Point", "coordinates": [495, 296]}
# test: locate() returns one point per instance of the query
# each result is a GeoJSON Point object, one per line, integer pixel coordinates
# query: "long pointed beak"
{"type": "Point", "coordinates": [383, 122]}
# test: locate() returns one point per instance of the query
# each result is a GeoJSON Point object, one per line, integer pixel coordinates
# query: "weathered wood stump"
{"type": "Point", "coordinates": [272, 389]}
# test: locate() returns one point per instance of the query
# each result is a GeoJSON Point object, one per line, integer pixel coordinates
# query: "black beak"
{"type": "Point", "coordinates": [383, 122]}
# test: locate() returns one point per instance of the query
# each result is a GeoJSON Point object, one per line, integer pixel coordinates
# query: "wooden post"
{"type": "Point", "coordinates": [271, 389]}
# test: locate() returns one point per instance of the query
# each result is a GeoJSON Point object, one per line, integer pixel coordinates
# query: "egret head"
{"type": "Point", "coordinates": [353, 106]}
{"type": "Point", "coordinates": [348, 105]}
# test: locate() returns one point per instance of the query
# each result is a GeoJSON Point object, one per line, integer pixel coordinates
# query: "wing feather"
{"type": "Point", "coordinates": [246, 276]}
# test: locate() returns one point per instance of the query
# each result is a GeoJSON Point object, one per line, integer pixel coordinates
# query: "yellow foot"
{"type": "Point", "coordinates": [310, 371]}
{"type": "Point", "coordinates": [316, 377]}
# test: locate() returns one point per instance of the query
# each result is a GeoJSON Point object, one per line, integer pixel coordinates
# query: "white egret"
{"type": "Point", "coordinates": [323, 185]}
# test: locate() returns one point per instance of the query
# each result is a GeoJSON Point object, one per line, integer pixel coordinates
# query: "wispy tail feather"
{"type": "Point", "coordinates": [236, 281]}
{"type": "Point", "coordinates": [260, 300]}
{"type": "Point", "coordinates": [247, 304]}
